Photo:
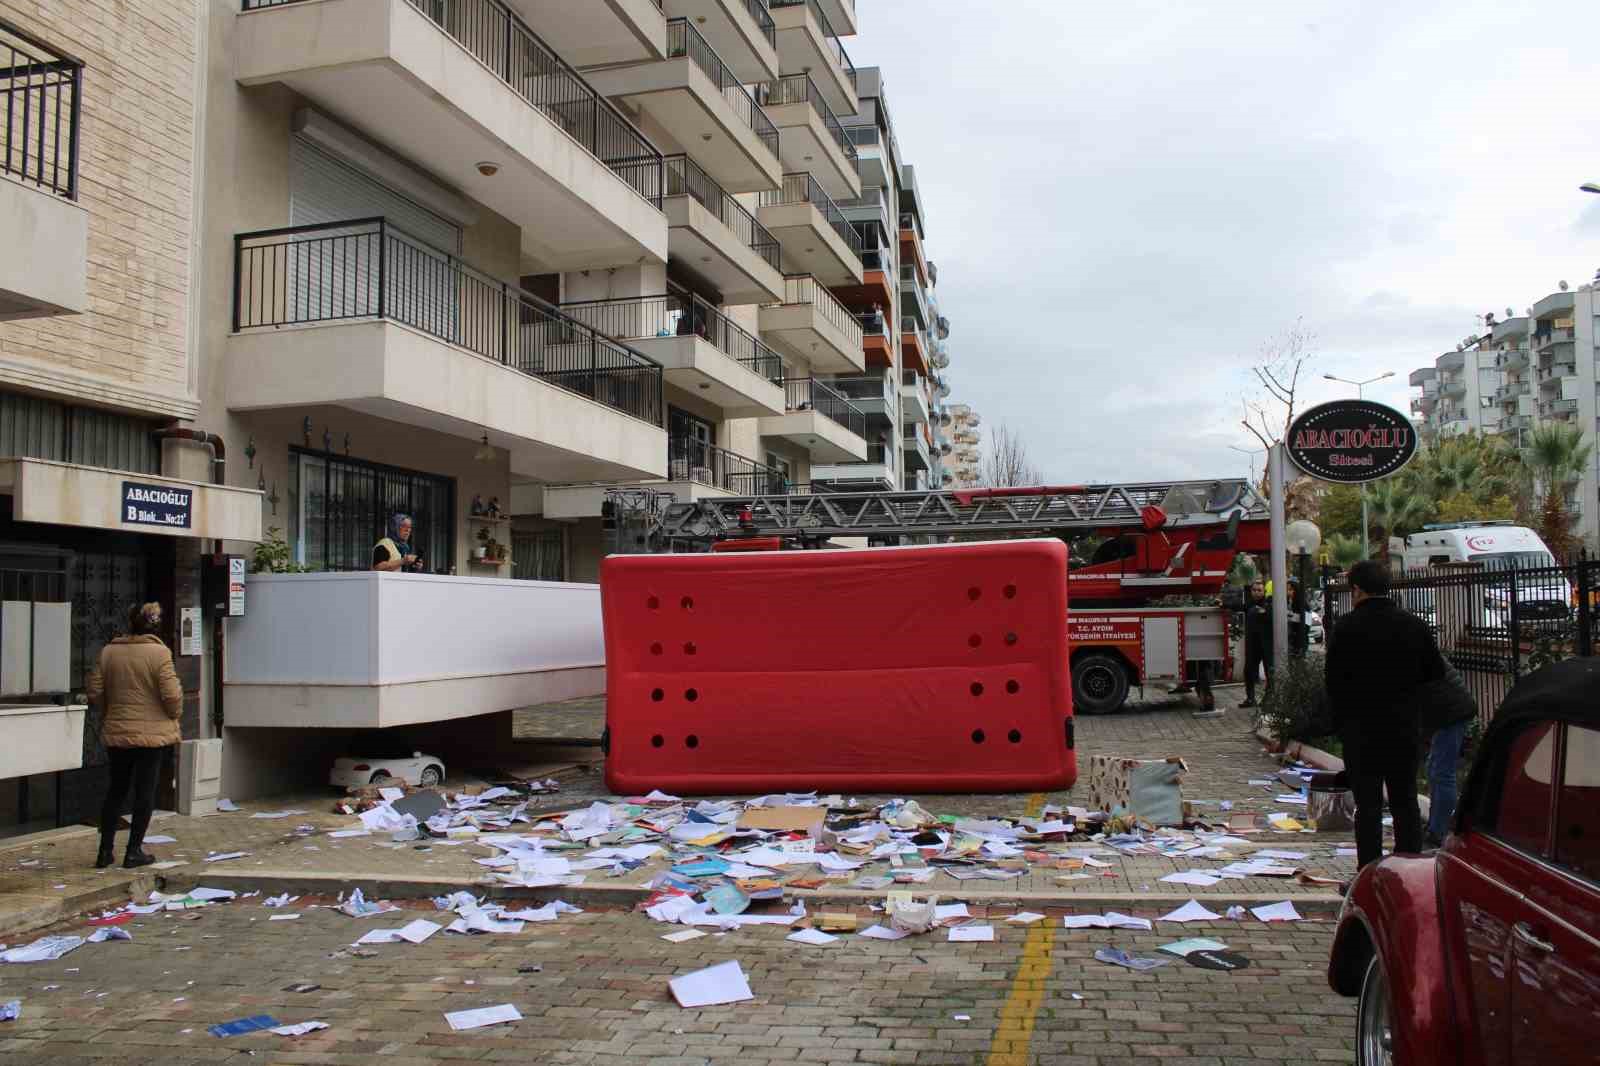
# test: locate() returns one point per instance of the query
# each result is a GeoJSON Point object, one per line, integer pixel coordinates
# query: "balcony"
{"type": "Point", "coordinates": [716, 238]}
{"type": "Point", "coordinates": [586, 35]}
{"type": "Point", "coordinates": [875, 339]}
{"type": "Point", "coordinates": [1509, 392]}
{"type": "Point", "coordinates": [1511, 359]}
{"type": "Point", "coordinates": [816, 237]}
{"type": "Point", "coordinates": [842, 13]}
{"type": "Point", "coordinates": [582, 183]}
{"type": "Point", "coordinates": [813, 140]}
{"type": "Point", "coordinates": [340, 650]}
{"type": "Point", "coordinates": [1560, 409]}
{"type": "Point", "coordinates": [913, 297]}
{"type": "Point", "coordinates": [1554, 372]}
{"type": "Point", "coordinates": [696, 470]}
{"type": "Point", "coordinates": [701, 350]}
{"type": "Point", "coordinates": [868, 140]}
{"type": "Point", "coordinates": [915, 447]}
{"type": "Point", "coordinates": [45, 267]}
{"type": "Point", "coordinates": [807, 44]}
{"type": "Point", "coordinates": [873, 394]}
{"type": "Point", "coordinates": [911, 245]}
{"type": "Point", "coordinates": [818, 419]}
{"type": "Point", "coordinates": [914, 398]}
{"type": "Point", "coordinates": [361, 315]}
{"type": "Point", "coordinates": [1550, 338]}
{"type": "Point", "coordinates": [741, 31]}
{"type": "Point", "coordinates": [876, 474]}
{"type": "Point", "coordinates": [702, 106]}
{"type": "Point", "coordinates": [913, 345]}
{"type": "Point", "coordinates": [1557, 303]}
{"type": "Point", "coordinates": [1517, 422]}
{"type": "Point", "coordinates": [814, 327]}
{"type": "Point", "coordinates": [1453, 388]}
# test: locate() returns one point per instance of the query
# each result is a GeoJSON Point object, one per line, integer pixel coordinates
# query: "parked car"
{"type": "Point", "coordinates": [1488, 950]}
{"type": "Point", "coordinates": [358, 771]}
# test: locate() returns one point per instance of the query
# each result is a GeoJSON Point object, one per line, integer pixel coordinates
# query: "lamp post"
{"type": "Point", "coordinates": [1360, 395]}
{"type": "Point", "coordinates": [1302, 539]}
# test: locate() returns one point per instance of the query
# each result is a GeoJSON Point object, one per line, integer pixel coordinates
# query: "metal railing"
{"type": "Point", "coordinates": [809, 394]}
{"type": "Point", "coordinates": [686, 178]}
{"type": "Point", "coordinates": [684, 40]}
{"type": "Point", "coordinates": [841, 58]}
{"type": "Point", "coordinates": [1511, 357]}
{"type": "Point", "coordinates": [501, 41]}
{"type": "Point", "coordinates": [800, 89]}
{"type": "Point", "coordinates": [803, 188]}
{"type": "Point", "coordinates": [1551, 408]}
{"type": "Point", "coordinates": [805, 289]}
{"type": "Point", "coordinates": [872, 323]}
{"type": "Point", "coordinates": [758, 11]}
{"type": "Point", "coordinates": [692, 459]}
{"type": "Point", "coordinates": [1557, 371]}
{"type": "Point", "coordinates": [368, 268]}
{"type": "Point", "coordinates": [43, 104]}
{"type": "Point", "coordinates": [863, 135]}
{"type": "Point", "coordinates": [679, 314]}
{"type": "Point", "coordinates": [868, 389]}
{"type": "Point", "coordinates": [911, 221]}
{"type": "Point", "coordinates": [1552, 336]}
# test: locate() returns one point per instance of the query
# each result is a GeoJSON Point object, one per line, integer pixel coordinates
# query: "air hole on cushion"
{"type": "Point", "coordinates": [1012, 687]}
{"type": "Point", "coordinates": [691, 741]}
{"type": "Point", "coordinates": [656, 649]}
{"type": "Point", "coordinates": [977, 688]}
{"type": "Point", "coordinates": [1011, 592]}
{"type": "Point", "coordinates": [657, 741]}
{"type": "Point", "coordinates": [974, 592]}
{"type": "Point", "coordinates": [691, 694]}
{"type": "Point", "coordinates": [974, 640]}
{"type": "Point", "coordinates": [687, 603]}
{"type": "Point", "coordinates": [688, 647]}
{"type": "Point", "coordinates": [977, 736]}
{"type": "Point", "coordinates": [1015, 736]}
{"type": "Point", "coordinates": [658, 695]}
{"type": "Point", "coordinates": [653, 602]}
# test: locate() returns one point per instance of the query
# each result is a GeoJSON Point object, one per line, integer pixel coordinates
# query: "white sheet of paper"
{"type": "Point", "coordinates": [1191, 877]}
{"type": "Point", "coordinates": [1084, 921]}
{"type": "Point", "coordinates": [1096, 863]}
{"type": "Point", "coordinates": [298, 1029]}
{"type": "Point", "coordinates": [481, 1016]}
{"type": "Point", "coordinates": [1192, 911]}
{"type": "Point", "coordinates": [225, 856]}
{"type": "Point", "coordinates": [340, 834]}
{"type": "Point", "coordinates": [1025, 918]}
{"type": "Point", "coordinates": [379, 936]}
{"type": "Point", "coordinates": [684, 934]}
{"type": "Point", "coordinates": [883, 932]}
{"type": "Point", "coordinates": [723, 983]}
{"type": "Point", "coordinates": [968, 934]}
{"type": "Point", "coordinates": [208, 894]}
{"type": "Point", "coordinates": [1276, 853]}
{"type": "Point", "coordinates": [418, 931]}
{"type": "Point", "coordinates": [1277, 912]}
{"type": "Point", "coordinates": [227, 805]}
{"type": "Point", "coordinates": [160, 840]}
{"type": "Point", "coordinates": [283, 918]}
{"type": "Point", "coordinates": [814, 937]}
{"type": "Point", "coordinates": [1344, 853]}
{"type": "Point", "coordinates": [1300, 800]}
{"type": "Point", "coordinates": [1126, 921]}
{"type": "Point", "coordinates": [942, 911]}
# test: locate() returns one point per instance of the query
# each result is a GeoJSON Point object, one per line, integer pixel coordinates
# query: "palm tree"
{"type": "Point", "coordinates": [1556, 455]}
{"type": "Point", "coordinates": [1397, 507]}
{"type": "Point", "coordinates": [1344, 550]}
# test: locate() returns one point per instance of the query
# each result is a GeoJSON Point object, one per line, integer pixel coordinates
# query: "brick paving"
{"type": "Point", "coordinates": [600, 996]}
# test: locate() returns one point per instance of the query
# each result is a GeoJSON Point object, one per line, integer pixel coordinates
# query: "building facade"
{"type": "Point", "coordinates": [966, 434]}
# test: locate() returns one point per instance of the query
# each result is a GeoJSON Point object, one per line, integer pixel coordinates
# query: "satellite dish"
{"type": "Point", "coordinates": [1562, 286]}
{"type": "Point", "coordinates": [1510, 313]}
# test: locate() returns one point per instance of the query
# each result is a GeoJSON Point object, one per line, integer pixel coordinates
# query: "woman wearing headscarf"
{"type": "Point", "coordinates": [394, 552]}
{"type": "Point", "coordinates": [139, 690]}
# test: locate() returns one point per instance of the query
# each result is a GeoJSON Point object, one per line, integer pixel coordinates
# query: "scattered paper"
{"type": "Point", "coordinates": [1025, 918]}
{"type": "Point", "coordinates": [418, 931]}
{"type": "Point", "coordinates": [227, 806]}
{"type": "Point", "coordinates": [814, 937]}
{"type": "Point", "coordinates": [1275, 853]}
{"type": "Point", "coordinates": [341, 834]}
{"type": "Point", "coordinates": [684, 934]}
{"type": "Point", "coordinates": [225, 856]}
{"type": "Point", "coordinates": [298, 1029]}
{"type": "Point", "coordinates": [1192, 911]}
{"type": "Point", "coordinates": [950, 910]}
{"type": "Point", "coordinates": [1197, 943]}
{"type": "Point", "coordinates": [1277, 912]}
{"type": "Point", "coordinates": [45, 949]}
{"type": "Point", "coordinates": [479, 1017]}
{"type": "Point", "coordinates": [880, 932]}
{"type": "Point", "coordinates": [244, 1025]}
{"type": "Point", "coordinates": [1191, 877]}
{"type": "Point", "coordinates": [963, 934]}
{"type": "Point", "coordinates": [10, 1010]}
{"type": "Point", "coordinates": [1118, 957]}
{"type": "Point", "coordinates": [722, 983]}
{"type": "Point", "coordinates": [1109, 920]}
{"type": "Point", "coordinates": [209, 895]}
{"type": "Point", "coordinates": [157, 838]}
{"type": "Point", "coordinates": [110, 932]}
{"type": "Point", "coordinates": [283, 918]}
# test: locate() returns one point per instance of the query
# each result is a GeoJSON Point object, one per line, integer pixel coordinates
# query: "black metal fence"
{"type": "Point", "coordinates": [367, 268]}
{"type": "Point", "coordinates": [692, 459]}
{"type": "Point", "coordinates": [803, 188]}
{"type": "Point", "coordinates": [805, 289]}
{"type": "Point", "coordinates": [686, 178]}
{"type": "Point", "coordinates": [679, 314]}
{"type": "Point", "coordinates": [684, 40]}
{"type": "Point", "coordinates": [43, 99]}
{"type": "Point", "coordinates": [800, 89]}
{"type": "Point", "coordinates": [835, 47]}
{"type": "Point", "coordinates": [500, 40]}
{"type": "Point", "coordinates": [1495, 624]}
{"type": "Point", "coordinates": [809, 394]}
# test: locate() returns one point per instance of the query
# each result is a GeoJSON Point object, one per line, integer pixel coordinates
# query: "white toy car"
{"type": "Point", "coordinates": [358, 771]}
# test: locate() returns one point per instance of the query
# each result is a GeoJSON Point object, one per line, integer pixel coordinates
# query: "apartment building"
{"type": "Point", "coordinates": [98, 170]}
{"type": "Point", "coordinates": [940, 445]}
{"type": "Point", "coordinates": [966, 435]}
{"type": "Point", "coordinates": [1524, 371]}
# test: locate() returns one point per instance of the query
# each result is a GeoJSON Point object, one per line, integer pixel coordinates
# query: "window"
{"type": "Point", "coordinates": [1523, 815]}
{"type": "Point", "coordinates": [38, 428]}
{"type": "Point", "coordinates": [1578, 810]}
{"type": "Point", "coordinates": [342, 508]}
{"type": "Point", "coordinates": [538, 556]}
{"type": "Point", "coordinates": [782, 473]}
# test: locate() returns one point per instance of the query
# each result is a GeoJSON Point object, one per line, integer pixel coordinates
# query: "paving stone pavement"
{"type": "Point", "coordinates": [599, 996]}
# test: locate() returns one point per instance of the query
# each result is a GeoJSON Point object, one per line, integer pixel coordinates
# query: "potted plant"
{"type": "Point", "coordinates": [482, 550]}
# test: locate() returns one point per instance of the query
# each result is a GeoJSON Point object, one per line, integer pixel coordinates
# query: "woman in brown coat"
{"type": "Point", "coordinates": [136, 684]}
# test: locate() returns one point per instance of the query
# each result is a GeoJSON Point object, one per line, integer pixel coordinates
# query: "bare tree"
{"type": "Point", "coordinates": [1278, 366]}
{"type": "Point", "coordinates": [1006, 462]}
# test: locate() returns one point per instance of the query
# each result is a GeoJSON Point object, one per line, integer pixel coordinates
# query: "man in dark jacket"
{"type": "Point", "coordinates": [1378, 655]}
{"type": "Point", "coordinates": [1257, 640]}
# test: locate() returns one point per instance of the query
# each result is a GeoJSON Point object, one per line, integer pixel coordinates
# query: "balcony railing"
{"type": "Point", "coordinates": [684, 40]}
{"type": "Point", "coordinates": [911, 221]}
{"type": "Point", "coordinates": [42, 90]}
{"type": "Point", "coordinates": [758, 11]}
{"type": "Point", "coordinates": [800, 89]}
{"type": "Point", "coordinates": [1558, 407]}
{"type": "Point", "coordinates": [692, 459]}
{"type": "Point", "coordinates": [912, 326]}
{"type": "Point", "coordinates": [803, 188]}
{"type": "Point", "coordinates": [679, 314]}
{"type": "Point", "coordinates": [1511, 357]}
{"type": "Point", "coordinates": [840, 56]}
{"type": "Point", "coordinates": [685, 178]}
{"type": "Point", "coordinates": [1552, 336]}
{"type": "Point", "coordinates": [366, 268]}
{"type": "Point", "coordinates": [873, 388]}
{"type": "Point", "coordinates": [872, 323]}
{"type": "Point", "coordinates": [805, 289]}
{"type": "Point", "coordinates": [809, 394]}
{"type": "Point", "coordinates": [1556, 371]}
{"type": "Point", "coordinates": [501, 41]}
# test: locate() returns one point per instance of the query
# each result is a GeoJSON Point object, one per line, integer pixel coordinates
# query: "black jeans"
{"type": "Point", "coordinates": [141, 767]}
{"type": "Point", "coordinates": [1377, 759]}
{"type": "Point", "coordinates": [1255, 657]}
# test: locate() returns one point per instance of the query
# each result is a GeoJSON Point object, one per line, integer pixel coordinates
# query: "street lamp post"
{"type": "Point", "coordinates": [1361, 395]}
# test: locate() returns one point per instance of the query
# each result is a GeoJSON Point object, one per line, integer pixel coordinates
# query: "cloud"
{"type": "Point", "coordinates": [1127, 201]}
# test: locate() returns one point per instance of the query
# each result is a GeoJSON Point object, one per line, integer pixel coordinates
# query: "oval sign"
{"type": "Point", "coordinates": [1351, 441]}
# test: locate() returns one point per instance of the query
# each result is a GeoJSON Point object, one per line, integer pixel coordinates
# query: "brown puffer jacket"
{"type": "Point", "coordinates": [142, 696]}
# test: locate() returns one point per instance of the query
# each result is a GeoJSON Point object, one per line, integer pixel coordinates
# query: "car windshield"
{"type": "Point", "coordinates": [1506, 560]}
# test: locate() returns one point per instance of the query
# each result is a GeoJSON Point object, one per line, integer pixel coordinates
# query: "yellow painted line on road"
{"type": "Point", "coordinates": [1021, 1010]}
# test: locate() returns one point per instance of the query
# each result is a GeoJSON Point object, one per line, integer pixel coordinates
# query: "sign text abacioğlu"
{"type": "Point", "coordinates": [1351, 441]}
{"type": "Point", "coordinates": [156, 505]}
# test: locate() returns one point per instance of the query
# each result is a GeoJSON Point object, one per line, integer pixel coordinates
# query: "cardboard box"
{"type": "Point", "coordinates": [807, 820]}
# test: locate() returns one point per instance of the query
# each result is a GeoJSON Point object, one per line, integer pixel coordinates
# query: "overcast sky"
{"type": "Point", "coordinates": [1127, 199]}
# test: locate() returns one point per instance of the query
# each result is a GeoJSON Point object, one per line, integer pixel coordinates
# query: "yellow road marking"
{"type": "Point", "coordinates": [1021, 1010]}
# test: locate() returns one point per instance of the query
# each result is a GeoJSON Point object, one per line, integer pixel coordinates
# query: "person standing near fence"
{"type": "Point", "coordinates": [1446, 715]}
{"type": "Point", "coordinates": [1379, 656]}
{"type": "Point", "coordinates": [1257, 640]}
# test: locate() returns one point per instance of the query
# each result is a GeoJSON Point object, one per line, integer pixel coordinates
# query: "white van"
{"type": "Point", "coordinates": [1541, 593]}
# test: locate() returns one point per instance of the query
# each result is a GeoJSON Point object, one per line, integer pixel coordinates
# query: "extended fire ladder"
{"type": "Point", "coordinates": [817, 516]}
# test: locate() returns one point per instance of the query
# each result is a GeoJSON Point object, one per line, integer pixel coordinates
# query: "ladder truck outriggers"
{"type": "Point", "coordinates": [1160, 539]}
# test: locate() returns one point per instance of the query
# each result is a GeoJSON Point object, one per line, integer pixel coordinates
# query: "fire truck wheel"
{"type": "Point", "coordinates": [1099, 684]}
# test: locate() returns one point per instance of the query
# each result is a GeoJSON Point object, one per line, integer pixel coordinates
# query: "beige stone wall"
{"type": "Point", "coordinates": [136, 175]}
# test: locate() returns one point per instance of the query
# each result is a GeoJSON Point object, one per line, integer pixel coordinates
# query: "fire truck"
{"type": "Point", "coordinates": [1160, 539]}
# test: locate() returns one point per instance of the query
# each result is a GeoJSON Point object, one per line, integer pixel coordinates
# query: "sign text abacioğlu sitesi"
{"type": "Point", "coordinates": [1351, 441]}
{"type": "Point", "coordinates": [156, 505]}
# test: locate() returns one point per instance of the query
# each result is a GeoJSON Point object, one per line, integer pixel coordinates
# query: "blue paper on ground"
{"type": "Point", "coordinates": [244, 1025]}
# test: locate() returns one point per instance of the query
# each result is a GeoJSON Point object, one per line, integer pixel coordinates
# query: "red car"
{"type": "Point", "coordinates": [1488, 950]}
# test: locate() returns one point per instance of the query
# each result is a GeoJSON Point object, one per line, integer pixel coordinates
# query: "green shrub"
{"type": "Point", "coordinates": [1295, 706]}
